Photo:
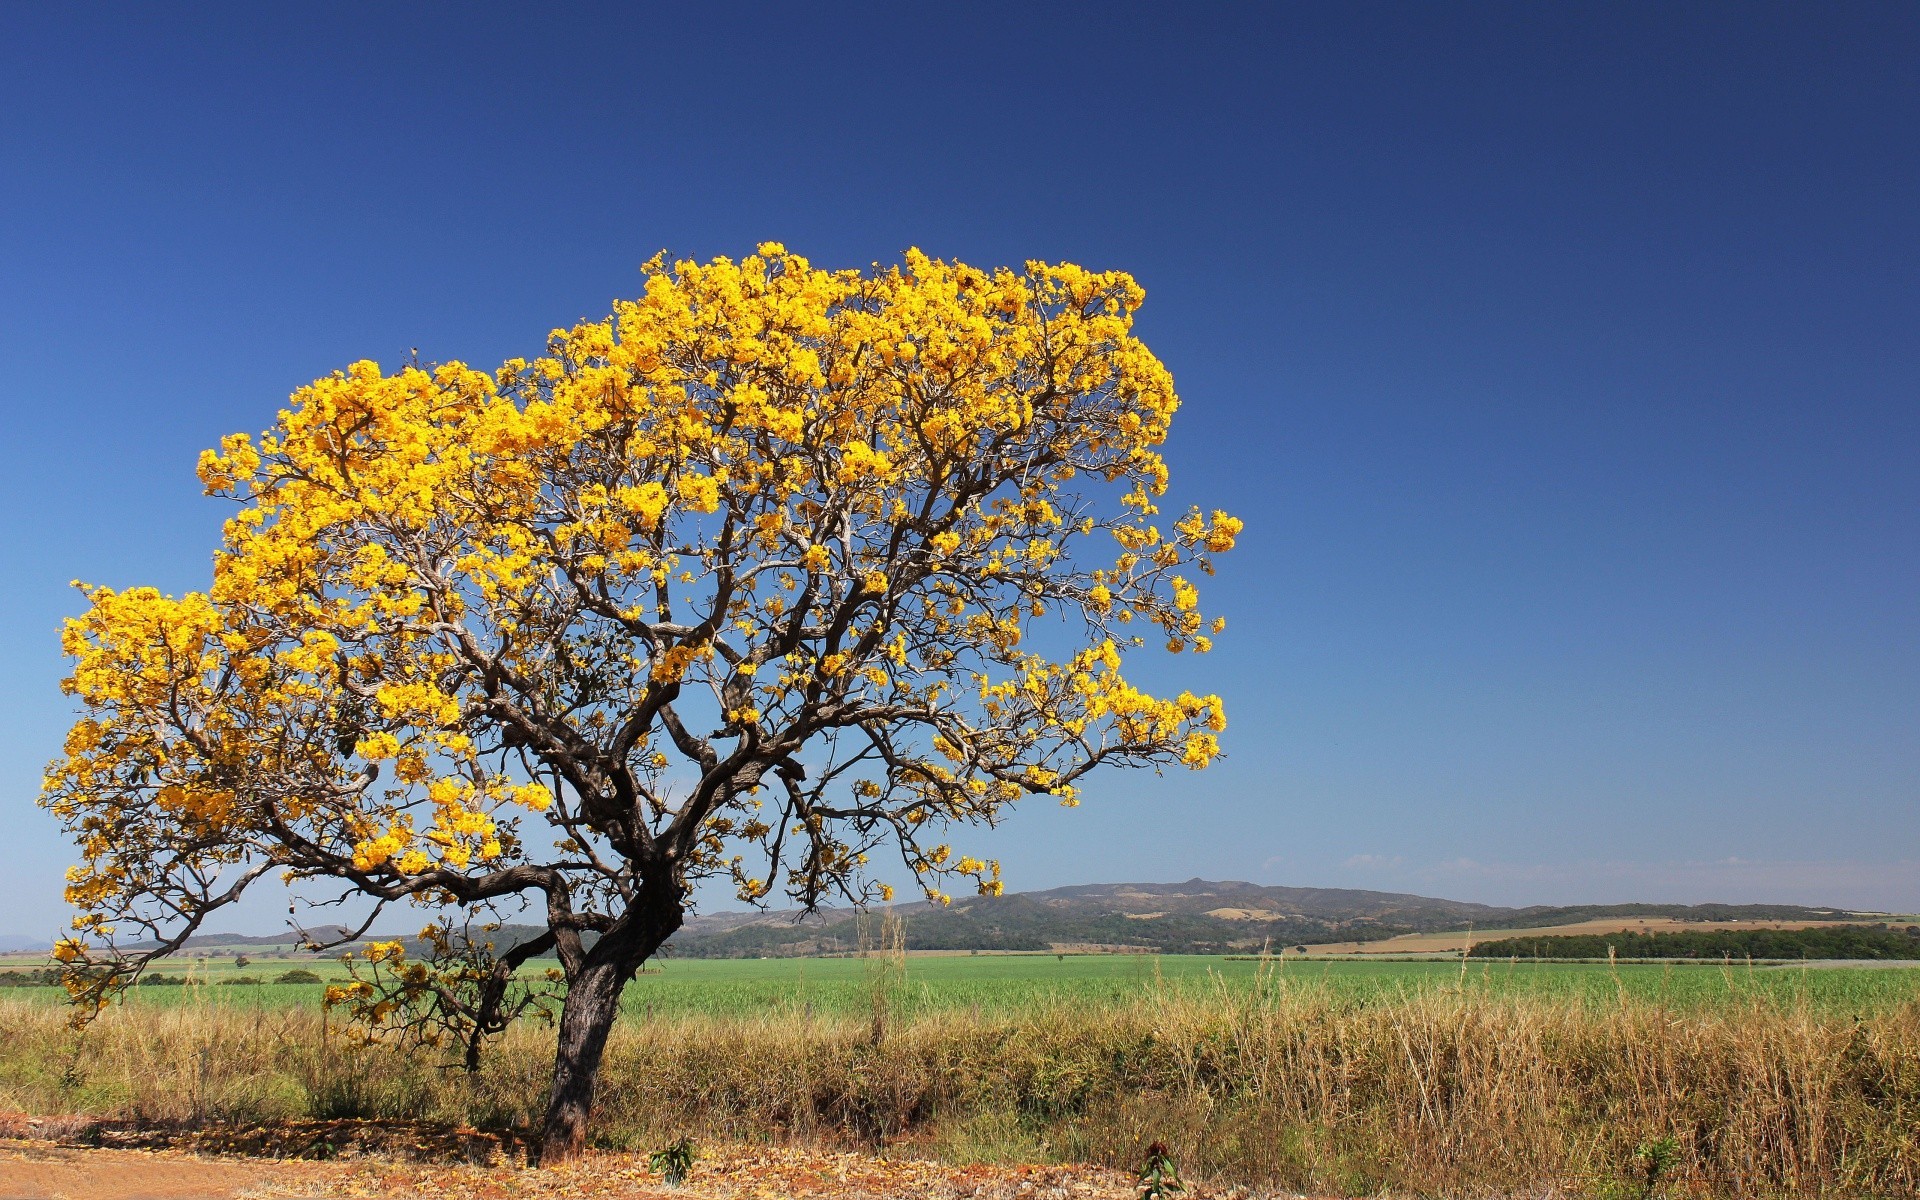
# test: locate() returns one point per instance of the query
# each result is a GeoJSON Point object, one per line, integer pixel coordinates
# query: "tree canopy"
{"type": "Point", "coordinates": [774, 570]}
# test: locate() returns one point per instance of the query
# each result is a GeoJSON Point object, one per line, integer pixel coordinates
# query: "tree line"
{"type": "Point", "coordinates": [1877, 941]}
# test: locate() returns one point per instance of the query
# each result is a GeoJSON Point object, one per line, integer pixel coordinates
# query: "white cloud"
{"type": "Point", "coordinates": [1374, 862]}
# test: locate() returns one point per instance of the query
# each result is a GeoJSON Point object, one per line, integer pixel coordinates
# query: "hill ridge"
{"type": "Point", "coordinates": [1192, 916]}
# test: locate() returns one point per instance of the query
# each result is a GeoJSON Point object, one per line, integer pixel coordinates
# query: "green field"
{"type": "Point", "coordinates": [1012, 981]}
{"type": "Point", "coordinates": [1000, 982]}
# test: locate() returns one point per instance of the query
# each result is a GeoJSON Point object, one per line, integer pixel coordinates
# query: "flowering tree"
{"type": "Point", "coordinates": [775, 569]}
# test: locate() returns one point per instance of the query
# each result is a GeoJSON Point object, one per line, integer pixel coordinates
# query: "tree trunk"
{"type": "Point", "coordinates": [593, 1001]}
{"type": "Point", "coordinates": [586, 1018]}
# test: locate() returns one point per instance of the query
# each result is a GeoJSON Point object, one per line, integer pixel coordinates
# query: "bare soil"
{"type": "Point", "coordinates": [50, 1168]}
{"type": "Point", "coordinates": [40, 1171]}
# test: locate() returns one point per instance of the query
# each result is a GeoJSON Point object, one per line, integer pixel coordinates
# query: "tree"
{"type": "Point", "coordinates": [775, 568]}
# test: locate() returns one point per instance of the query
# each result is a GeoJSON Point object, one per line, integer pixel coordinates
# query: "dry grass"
{"type": "Point", "coordinates": [1463, 1094]}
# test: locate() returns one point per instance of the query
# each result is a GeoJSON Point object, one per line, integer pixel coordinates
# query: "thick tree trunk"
{"type": "Point", "coordinates": [593, 1001]}
{"type": "Point", "coordinates": [587, 1016]}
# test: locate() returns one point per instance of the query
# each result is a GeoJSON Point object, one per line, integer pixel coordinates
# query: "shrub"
{"type": "Point", "coordinates": [46, 978]}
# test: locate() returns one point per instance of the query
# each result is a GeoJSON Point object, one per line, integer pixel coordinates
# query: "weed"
{"type": "Point", "coordinates": [1653, 1158]}
{"type": "Point", "coordinates": [674, 1162]}
{"type": "Point", "coordinates": [1160, 1178]}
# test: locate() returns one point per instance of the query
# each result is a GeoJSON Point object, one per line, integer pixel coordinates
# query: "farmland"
{"type": "Point", "coordinates": [1005, 983]}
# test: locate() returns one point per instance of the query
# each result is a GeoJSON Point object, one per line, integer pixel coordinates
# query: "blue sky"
{"type": "Point", "coordinates": [1561, 358]}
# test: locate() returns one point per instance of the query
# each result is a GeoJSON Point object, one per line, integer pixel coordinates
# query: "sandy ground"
{"type": "Point", "coordinates": [31, 1171]}
{"type": "Point", "coordinates": [41, 1170]}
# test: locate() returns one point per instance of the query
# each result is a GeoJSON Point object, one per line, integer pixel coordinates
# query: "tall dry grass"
{"type": "Point", "coordinates": [1430, 1093]}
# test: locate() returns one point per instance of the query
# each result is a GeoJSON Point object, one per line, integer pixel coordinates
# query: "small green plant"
{"type": "Point", "coordinates": [674, 1162]}
{"type": "Point", "coordinates": [300, 975]}
{"type": "Point", "coordinates": [1160, 1178]}
{"type": "Point", "coordinates": [1654, 1158]}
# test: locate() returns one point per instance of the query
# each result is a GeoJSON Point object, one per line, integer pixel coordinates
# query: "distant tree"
{"type": "Point", "coordinates": [1834, 941]}
{"type": "Point", "coordinates": [773, 569]}
{"type": "Point", "coordinates": [240, 961]}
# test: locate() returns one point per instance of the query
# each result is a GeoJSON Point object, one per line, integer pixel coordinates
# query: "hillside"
{"type": "Point", "coordinates": [1195, 917]}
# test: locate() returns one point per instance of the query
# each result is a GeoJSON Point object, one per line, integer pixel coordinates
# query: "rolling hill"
{"type": "Point", "coordinates": [1195, 917]}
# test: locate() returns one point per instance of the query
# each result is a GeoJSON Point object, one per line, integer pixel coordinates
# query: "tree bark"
{"type": "Point", "coordinates": [587, 1017]}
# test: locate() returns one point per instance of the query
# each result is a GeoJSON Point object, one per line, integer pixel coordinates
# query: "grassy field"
{"type": "Point", "coordinates": [1004, 983]}
{"type": "Point", "coordinates": [1342, 1078]}
{"type": "Point", "coordinates": [1008, 982]}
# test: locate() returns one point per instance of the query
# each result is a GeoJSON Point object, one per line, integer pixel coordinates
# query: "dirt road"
{"type": "Point", "coordinates": [42, 1170]}
{"type": "Point", "coordinates": [37, 1171]}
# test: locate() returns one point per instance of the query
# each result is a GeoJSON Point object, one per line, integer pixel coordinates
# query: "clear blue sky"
{"type": "Point", "coordinates": [1562, 359]}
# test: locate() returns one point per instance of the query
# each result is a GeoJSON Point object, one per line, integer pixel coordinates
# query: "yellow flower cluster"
{"type": "Point", "coordinates": [794, 490]}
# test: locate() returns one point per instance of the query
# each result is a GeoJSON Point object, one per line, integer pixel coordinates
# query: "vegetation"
{"type": "Point", "coordinates": [1820, 942]}
{"type": "Point", "coordinates": [728, 989]}
{"type": "Point", "coordinates": [1160, 1178]}
{"type": "Point", "coordinates": [29, 978]}
{"type": "Point", "coordinates": [1196, 917]}
{"type": "Point", "coordinates": [672, 1163]}
{"type": "Point", "coordinates": [1279, 1081]}
{"type": "Point", "coordinates": [737, 583]}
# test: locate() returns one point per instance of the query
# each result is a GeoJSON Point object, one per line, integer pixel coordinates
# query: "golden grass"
{"type": "Point", "coordinates": [1463, 1094]}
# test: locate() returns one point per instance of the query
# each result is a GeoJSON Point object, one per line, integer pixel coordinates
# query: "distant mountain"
{"type": "Point", "coordinates": [1195, 917]}
{"type": "Point", "coordinates": [14, 943]}
{"type": "Point", "coordinates": [264, 941]}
